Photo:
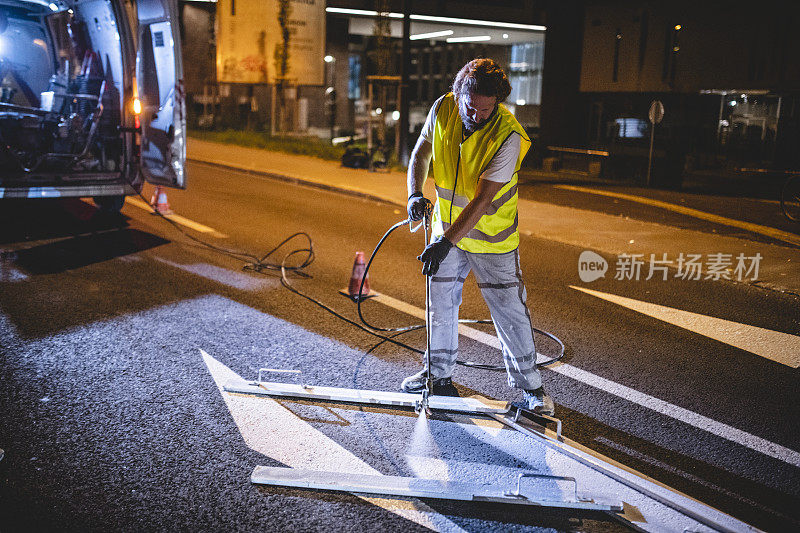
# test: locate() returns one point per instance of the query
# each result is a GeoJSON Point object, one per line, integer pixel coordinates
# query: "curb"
{"type": "Point", "coordinates": [300, 181]}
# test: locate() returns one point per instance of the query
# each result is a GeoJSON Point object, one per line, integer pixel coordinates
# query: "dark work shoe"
{"type": "Point", "coordinates": [416, 383]}
{"type": "Point", "coordinates": [537, 401]}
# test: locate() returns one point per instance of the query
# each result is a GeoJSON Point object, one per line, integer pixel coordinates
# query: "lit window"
{"type": "Point", "coordinates": [631, 128]}
{"type": "Point", "coordinates": [525, 73]}
{"type": "Point", "coordinates": [354, 79]}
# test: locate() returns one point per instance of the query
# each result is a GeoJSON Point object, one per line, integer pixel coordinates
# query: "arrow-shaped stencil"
{"type": "Point", "coordinates": [272, 430]}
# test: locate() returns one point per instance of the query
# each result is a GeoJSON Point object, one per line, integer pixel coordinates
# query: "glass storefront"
{"type": "Point", "coordinates": [438, 50]}
{"type": "Point", "coordinates": [748, 125]}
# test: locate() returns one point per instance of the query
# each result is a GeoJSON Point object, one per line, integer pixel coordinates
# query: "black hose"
{"type": "Point", "coordinates": [260, 264]}
{"type": "Point", "coordinates": [358, 298]}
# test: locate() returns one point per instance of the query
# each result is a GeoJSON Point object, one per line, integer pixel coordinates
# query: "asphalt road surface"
{"type": "Point", "coordinates": [747, 206]}
{"type": "Point", "coordinates": [117, 335]}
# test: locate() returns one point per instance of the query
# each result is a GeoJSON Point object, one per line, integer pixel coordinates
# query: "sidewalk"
{"type": "Point", "coordinates": [589, 230]}
{"type": "Point", "coordinates": [715, 183]}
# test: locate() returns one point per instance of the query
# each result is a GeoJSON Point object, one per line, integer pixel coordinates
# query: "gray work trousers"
{"type": "Point", "coordinates": [500, 280]}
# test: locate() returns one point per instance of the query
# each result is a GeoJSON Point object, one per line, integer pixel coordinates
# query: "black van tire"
{"type": "Point", "coordinates": [110, 204]}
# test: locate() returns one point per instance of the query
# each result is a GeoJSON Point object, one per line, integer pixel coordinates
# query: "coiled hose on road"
{"type": "Point", "coordinates": [414, 327]}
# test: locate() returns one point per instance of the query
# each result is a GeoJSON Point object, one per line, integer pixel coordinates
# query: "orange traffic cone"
{"type": "Point", "coordinates": [355, 280]}
{"type": "Point", "coordinates": [159, 201]}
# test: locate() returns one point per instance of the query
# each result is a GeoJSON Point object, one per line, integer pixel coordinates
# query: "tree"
{"type": "Point", "coordinates": [382, 33]}
{"type": "Point", "coordinates": [281, 58]}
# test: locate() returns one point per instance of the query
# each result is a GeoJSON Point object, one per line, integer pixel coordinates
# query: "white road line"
{"type": "Point", "coordinates": [231, 278]}
{"type": "Point", "coordinates": [691, 477]}
{"type": "Point", "coordinates": [686, 416]}
{"type": "Point", "coordinates": [777, 234]}
{"type": "Point", "coordinates": [776, 346]}
{"type": "Point", "coordinates": [272, 430]}
{"type": "Point", "coordinates": [183, 221]}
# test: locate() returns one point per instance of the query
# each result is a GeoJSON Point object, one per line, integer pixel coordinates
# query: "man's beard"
{"type": "Point", "coordinates": [472, 126]}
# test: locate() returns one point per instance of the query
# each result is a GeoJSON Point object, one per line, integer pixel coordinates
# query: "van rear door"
{"type": "Point", "coordinates": [159, 75]}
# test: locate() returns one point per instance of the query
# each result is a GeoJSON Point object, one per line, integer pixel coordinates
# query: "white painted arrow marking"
{"type": "Point", "coordinates": [274, 431]}
{"type": "Point", "coordinates": [773, 345]}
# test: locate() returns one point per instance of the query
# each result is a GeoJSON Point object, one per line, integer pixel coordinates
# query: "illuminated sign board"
{"type": "Point", "coordinates": [248, 33]}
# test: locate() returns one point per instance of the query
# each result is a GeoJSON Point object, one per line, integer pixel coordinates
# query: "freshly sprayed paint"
{"type": "Point", "coordinates": [259, 419]}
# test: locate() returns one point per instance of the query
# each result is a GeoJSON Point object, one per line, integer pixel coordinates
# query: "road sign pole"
{"type": "Point", "coordinates": [656, 115]}
{"type": "Point", "coordinates": [650, 156]}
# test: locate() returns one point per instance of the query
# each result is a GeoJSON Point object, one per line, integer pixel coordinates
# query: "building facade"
{"type": "Point", "coordinates": [362, 40]}
{"type": "Point", "coordinates": [584, 74]}
{"type": "Point", "coordinates": [726, 74]}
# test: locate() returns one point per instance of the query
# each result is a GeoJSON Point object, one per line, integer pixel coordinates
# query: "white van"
{"type": "Point", "coordinates": [91, 99]}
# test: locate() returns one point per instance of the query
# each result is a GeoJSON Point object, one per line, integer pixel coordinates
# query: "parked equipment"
{"type": "Point", "coordinates": [84, 111]}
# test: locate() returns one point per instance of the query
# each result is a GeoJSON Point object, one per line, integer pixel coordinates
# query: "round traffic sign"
{"type": "Point", "coordinates": [656, 113]}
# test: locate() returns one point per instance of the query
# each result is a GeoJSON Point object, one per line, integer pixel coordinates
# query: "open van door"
{"type": "Point", "coordinates": [159, 75]}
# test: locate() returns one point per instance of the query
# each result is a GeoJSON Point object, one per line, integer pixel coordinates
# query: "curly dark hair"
{"type": "Point", "coordinates": [484, 77]}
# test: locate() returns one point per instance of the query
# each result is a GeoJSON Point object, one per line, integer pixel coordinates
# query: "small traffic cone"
{"type": "Point", "coordinates": [355, 280]}
{"type": "Point", "coordinates": [159, 201]}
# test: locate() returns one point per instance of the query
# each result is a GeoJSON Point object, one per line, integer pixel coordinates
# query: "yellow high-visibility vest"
{"type": "Point", "coordinates": [457, 166]}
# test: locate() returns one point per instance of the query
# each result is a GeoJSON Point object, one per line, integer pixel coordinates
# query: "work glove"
{"type": "Point", "coordinates": [417, 206]}
{"type": "Point", "coordinates": [434, 254]}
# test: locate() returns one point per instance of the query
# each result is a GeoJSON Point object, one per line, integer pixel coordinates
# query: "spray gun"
{"type": "Point", "coordinates": [422, 405]}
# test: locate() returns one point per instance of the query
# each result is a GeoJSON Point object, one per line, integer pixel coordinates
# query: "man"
{"type": "Point", "coordinates": [477, 148]}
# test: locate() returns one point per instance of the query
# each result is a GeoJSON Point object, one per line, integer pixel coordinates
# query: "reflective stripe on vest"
{"type": "Point", "coordinates": [457, 166]}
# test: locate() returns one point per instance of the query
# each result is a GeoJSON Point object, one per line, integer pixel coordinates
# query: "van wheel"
{"type": "Point", "coordinates": [110, 204]}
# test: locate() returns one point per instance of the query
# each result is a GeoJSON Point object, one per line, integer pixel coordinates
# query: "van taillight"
{"type": "Point", "coordinates": [136, 107]}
